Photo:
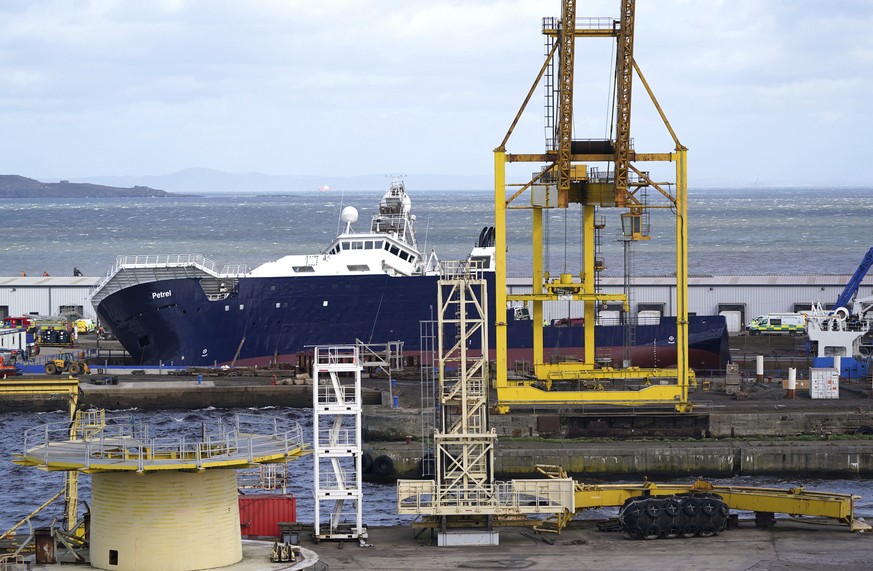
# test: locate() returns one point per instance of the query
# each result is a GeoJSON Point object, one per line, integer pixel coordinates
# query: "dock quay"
{"type": "Point", "coordinates": [759, 432]}
{"type": "Point", "coordinates": [582, 546]}
{"type": "Point", "coordinates": [765, 434]}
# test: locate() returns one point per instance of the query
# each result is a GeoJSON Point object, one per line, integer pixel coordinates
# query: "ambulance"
{"type": "Point", "coordinates": [790, 323]}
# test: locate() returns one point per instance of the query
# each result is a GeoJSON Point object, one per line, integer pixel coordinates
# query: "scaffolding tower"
{"type": "Point", "coordinates": [337, 443]}
{"type": "Point", "coordinates": [463, 494]}
{"type": "Point", "coordinates": [464, 444]}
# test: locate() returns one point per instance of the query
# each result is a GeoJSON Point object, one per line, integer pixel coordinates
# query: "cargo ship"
{"type": "Point", "coordinates": [373, 287]}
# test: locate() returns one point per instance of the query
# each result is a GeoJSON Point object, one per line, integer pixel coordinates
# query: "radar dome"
{"type": "Point", "coordinates": [349, 215]}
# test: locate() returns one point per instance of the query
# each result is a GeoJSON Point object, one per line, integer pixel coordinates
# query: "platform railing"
{"type": "Point", "coordinates": [123, 441]}
{"type": "Point", "coordinates": [424, 497]}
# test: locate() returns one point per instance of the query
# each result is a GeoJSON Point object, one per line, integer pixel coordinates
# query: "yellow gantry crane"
{"type": "Point", "coordinates": [568, 179]}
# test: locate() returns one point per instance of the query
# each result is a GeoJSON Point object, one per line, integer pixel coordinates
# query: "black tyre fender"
{"type": "Point", "coordinates": [383, 465]}
{"type": "Point", "coordinates": [672, 507]}
{"type": "Point", "coordinates": [654, 531]}
{"type": "Point", "coordinates": [672, 530]}
{"type": "Point", "coordinates": [75, 369]}
{"type": "Point", "coordinates": [50, 369]}
{"type": "Point", "coordinates": [366, 463]}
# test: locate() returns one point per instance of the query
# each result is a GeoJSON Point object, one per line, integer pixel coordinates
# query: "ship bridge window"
{"type": "Point", "coordinates": [368, 245]}
{"type": "Point", "coordinates": [378, 244]}
{"type": "Point", "coordinates": [357, 245]}
{"type": "Point", "coordinates": [394, 250]}
{"type": "Point", "coordinates": [359, 268]}
{"type": "Point", "coordinates": [346, 246]}
{"type": "Point", "coordinates": [301, 269]}
{"type": "Point", "coordinates": [404, 256]}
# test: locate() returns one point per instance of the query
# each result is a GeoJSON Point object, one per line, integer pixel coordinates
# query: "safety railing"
{"type": "Point", "coordinates": [424, 497]}
{"type": "Point", "coordinates": [329, 437]}
{"type": "Point", "coordinates": [125, 443]}
{"type": "Point", "coordinates": [337, 355]}
{"type": "Point", "coordinates": [343, 394]}
{"type": "Point", "coordinates": [468, 269]}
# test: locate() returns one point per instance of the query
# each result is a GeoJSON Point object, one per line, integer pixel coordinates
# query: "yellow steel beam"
{"type": "Point", "coordinates": [590, 296]}
{"type": "Point", "coordinates": [500, 265]}
{"type": "Point", "coordinates": [528, 395]}
{"type": "Point", "coordinates": [538, 295]}
{"type": "Point", "coordinates": [575, 296]}
{"type": "Point", "coordinates": [791, 501]}
{"type": "Point", "coordinates": [682, 273]}
{"type": "Point", "coordinates": [55, 386]}
{"type": "Point", "coordinates": [795, 501]}
{"type": "Point", "coordinates": [652, 157]}
{"type": "Point", "coordinates": [587, 157]}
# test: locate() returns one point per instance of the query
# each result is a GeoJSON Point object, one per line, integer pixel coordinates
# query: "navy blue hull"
{"type": "Point", "coordinates": [265, 319]}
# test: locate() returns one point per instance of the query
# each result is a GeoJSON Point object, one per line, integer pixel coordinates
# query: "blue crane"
{"type": "Point", "coordinates": [855, 281]}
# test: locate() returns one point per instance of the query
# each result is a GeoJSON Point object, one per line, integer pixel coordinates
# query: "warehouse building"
{"type": "Point", "coordinates": [739, 298]}
{"type": "Point", "coordinates": [63, 295]}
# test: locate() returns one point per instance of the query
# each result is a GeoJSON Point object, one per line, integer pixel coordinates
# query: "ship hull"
{"type": "Point", "coordinates": [264, 320]}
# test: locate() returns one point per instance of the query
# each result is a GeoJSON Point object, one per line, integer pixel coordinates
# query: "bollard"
{"type": "Point", "coordinates": [199, 379]}
{"type": "Point", "coordinates": [759, 368]}
{"type": "Point", "coordinates": [45, 545]}
{"type": "Point", "coordinates": [396, 401]}
{"type": "Point", "coordinates": [792, 383]}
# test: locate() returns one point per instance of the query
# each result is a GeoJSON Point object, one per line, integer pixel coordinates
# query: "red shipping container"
{"type": "Point", "coordinates": [259, 514]}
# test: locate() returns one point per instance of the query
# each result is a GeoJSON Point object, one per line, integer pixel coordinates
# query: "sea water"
{"type": "Point", "coordinates": [731, 232]}
{"type": "Point", "coordinates": [23, 489]}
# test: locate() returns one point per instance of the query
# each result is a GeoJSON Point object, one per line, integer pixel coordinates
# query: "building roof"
{"type": "Point", "coordinates": [49, 281]}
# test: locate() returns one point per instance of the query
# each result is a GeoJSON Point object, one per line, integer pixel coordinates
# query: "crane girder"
{"type": "Point", "coordinates": [624, 81]}
{"type": "Point", "coordinates": [565, 94]}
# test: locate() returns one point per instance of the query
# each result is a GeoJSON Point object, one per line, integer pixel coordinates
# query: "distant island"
{"type": "Point", "coordinates": [14, 186]}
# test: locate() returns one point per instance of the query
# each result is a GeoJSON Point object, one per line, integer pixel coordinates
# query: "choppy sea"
{"type": "Point", "coordinates": [737, 231]}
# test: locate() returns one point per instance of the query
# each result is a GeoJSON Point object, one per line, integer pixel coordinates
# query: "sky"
{"type": "Point", "coordinates": [762, 92]}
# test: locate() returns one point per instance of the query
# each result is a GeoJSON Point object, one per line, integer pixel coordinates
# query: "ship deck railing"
{"type": "Point", "coordinates": [138, 269]}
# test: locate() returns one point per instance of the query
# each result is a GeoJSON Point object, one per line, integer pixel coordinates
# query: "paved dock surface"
{"type": "Point", "coordinates": [788, 546]}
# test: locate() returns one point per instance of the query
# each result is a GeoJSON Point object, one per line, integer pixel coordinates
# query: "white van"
{"type": "Point", "coordinates": [791, 323]}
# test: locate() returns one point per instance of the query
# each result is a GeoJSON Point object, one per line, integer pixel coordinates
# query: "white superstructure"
{"type": "Point", "coordinates": [389, 246]}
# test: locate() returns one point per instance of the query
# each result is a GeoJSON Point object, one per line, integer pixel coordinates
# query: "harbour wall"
{"type": "Point", "coordinates": [754, 423]}
{"type": "Point", "coordinates": [639, 459]}
{"type": "Point", "coordinates": [735, 443]}
{"type": "Point", "coordinates": [173, 395]}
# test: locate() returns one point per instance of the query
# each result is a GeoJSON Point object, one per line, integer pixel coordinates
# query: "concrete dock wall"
{"type": "Point", "coordinates": [712, 459]}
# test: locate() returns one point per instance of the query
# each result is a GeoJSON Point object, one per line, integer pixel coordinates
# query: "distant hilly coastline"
{"type": "Point", "coordinates": [14, 186]}
{"type": "Point", "coordinates": [199, 181]}
{"type": "Point", "coordinates": [204, 180]}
